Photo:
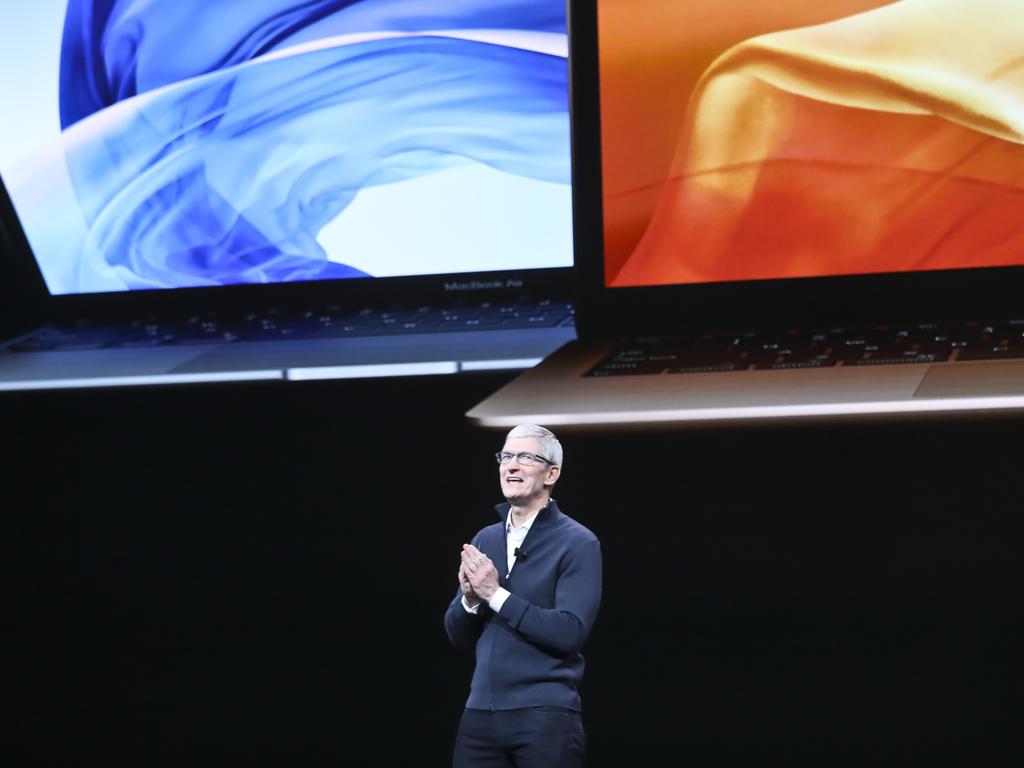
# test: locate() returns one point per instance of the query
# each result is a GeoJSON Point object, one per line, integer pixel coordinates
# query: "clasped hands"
{"type": "Point", "coordinates": [477, 575]}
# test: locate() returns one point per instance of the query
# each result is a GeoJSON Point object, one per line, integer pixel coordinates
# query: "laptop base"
{"type": "Point", "coordinates": [557, 393]}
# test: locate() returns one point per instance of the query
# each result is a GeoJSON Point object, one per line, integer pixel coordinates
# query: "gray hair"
{"type": "Point", "coordinates": [550, 448]}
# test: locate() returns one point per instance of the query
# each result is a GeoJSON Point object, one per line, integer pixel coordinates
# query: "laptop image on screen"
{"type": "Point", "coordinates": [300, 190]}
{"type": "Point", "coordinates": [799, 210]}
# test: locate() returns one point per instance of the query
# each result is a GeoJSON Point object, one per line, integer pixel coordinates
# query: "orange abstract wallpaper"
{"type": "Point", "coordinates": [795, 138]}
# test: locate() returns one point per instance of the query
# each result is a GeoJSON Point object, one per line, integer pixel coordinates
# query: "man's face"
{"type": "Point", "coordinates": [522, 484]}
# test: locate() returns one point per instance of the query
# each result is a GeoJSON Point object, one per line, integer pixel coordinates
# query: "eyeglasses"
{"type": "Point", "coordinates": [525, 459]}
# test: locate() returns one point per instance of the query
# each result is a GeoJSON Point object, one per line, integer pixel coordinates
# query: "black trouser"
{"type": "Point", "coordinates": [533, 737]}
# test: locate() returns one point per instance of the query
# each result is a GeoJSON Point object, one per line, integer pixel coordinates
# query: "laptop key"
{"type": "Point", "coordinates": [899, 360]}
{"type": "Point", "coordinates": [628, 368]}
{"type": "Point", "coordinates": [79, 346]}
{"type": "Point", "coordinates": [531, 322]}
{"type": "Point", "coordinates": [723, 366]}
{"type": "Point", "coordinates": [786, 363]}
{"type": "Point", "coordinates": [999, 352]}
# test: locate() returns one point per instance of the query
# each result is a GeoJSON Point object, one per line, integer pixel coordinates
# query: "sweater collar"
{"type": "Point", "coordinates": [545, 517]}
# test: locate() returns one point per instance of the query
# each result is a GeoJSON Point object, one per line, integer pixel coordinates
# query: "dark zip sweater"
{"type": "Point", "coordinates": [528, 653]}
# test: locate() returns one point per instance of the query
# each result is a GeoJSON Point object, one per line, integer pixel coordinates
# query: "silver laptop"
{"type": "Point", "coordinates": [192, 192]}
{"type": "Point", "coordinates": [790, 211]}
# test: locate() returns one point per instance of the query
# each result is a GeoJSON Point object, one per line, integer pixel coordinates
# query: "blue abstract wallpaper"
{"type": "Point", "coordinates": [216, 142]}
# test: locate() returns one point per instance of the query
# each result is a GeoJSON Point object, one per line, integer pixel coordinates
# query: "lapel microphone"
{"type": "Point", "coordinates": [520, 555]}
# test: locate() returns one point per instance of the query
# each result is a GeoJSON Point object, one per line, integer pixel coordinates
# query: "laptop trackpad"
{"type": "Point", "coordinates": [1005, 377]}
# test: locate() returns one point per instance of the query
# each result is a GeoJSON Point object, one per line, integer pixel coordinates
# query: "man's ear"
{"type": "Point", "coordinates": [553, 473]}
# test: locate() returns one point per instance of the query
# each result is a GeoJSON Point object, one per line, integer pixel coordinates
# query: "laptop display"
{"type": "Point", "coordinates": [796, 210]}
{"type": "Point", "coordinates": [756, 141]}
{"type": "Point", "coordinates": [164, 145]}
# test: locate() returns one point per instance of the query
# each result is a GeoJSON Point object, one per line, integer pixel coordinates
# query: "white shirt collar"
{"type": "Point", "coordinates": [525, 526]}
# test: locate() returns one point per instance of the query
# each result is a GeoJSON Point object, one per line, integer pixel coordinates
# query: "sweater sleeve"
{"type": "Point", "coordinates": [463, 627]}
{"type": "Point", "coordinates": [565, 627]}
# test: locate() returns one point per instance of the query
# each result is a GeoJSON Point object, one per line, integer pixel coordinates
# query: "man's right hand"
{"type": "Point", "coordinates": [467, 588]}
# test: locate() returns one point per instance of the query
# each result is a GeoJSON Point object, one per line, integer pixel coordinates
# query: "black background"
{"type": "Point", "coordinates": [223, 574]}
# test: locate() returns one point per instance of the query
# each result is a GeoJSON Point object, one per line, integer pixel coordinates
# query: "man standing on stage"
{"type": "Point", "coordinates": [529, 593]}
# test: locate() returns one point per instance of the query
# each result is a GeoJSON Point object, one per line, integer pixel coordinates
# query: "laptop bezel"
{"type": "Point", "coordinates": [606, 312]}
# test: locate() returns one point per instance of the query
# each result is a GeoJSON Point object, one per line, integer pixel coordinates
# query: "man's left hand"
{"type": "Point", "coordinates": [482, 573]}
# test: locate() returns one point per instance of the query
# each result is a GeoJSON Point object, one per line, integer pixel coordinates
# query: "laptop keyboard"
{"type": "Point", "coordinates": [823, 348]}
{"type": "Point", "coordinates": [331, 322]}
